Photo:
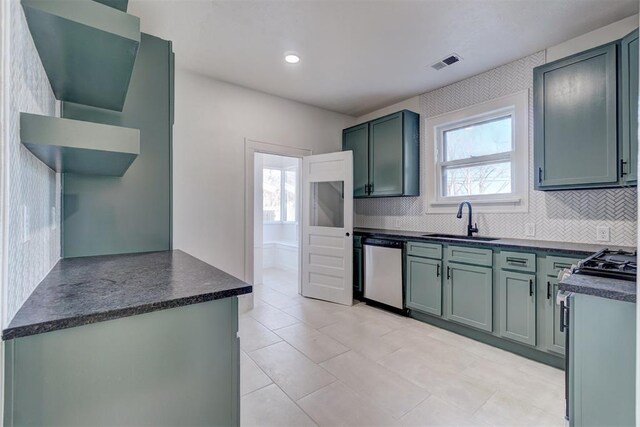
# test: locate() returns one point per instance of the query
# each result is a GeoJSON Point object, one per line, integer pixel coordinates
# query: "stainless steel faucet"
{"type": "Point", "coordinates": [470, 228]}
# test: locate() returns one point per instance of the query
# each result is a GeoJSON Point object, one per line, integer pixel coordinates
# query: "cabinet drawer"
{"type": "Point", "coordinates": [468, 255]}
{"type": "Point", "coordinates": [425, 250]}
{"type": "Point", "coordinates": [357, 241]}
{"type": "Point", "coordinates": [554, 264]}
{"type": "Point", "coordinates": [518, 261]}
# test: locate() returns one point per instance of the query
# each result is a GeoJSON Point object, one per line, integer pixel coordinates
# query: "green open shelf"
{"type": "Point", "coordinates": [117, 4]}
{"type": "Point", "coordinates": [88, 49]}
{"type": "Point", "coordinates": [74, 146]}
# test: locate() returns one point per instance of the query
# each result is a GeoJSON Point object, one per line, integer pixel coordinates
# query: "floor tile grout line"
{"type": "Point", "coordinates": [273, 381]}
{"type": "Point", "coordinates": [258, 389]}
{"type": "Point", "coordinates": [293, 401]}
{"type": "Point", "coordinates": [302, 354]}
{"type": "Point", "coordinates": [428, 396]}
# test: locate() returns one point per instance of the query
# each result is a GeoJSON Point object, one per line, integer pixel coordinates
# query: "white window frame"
{"type": "Point", "coordinates": [515, 105]}
{"type": "Point", "coordinates": [283, 203]}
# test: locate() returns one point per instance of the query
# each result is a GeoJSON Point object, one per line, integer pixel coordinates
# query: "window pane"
{"type": "Point", "coordinates": [494, 178]}
{"type": "Point", "coordinates": [327, 204]}
{"type": "Point", "coordinates": [290, 195]}
{"type": "Point", "coordinates": [478, 139]}
{"type": "Point", "coordinates": [271, 188]}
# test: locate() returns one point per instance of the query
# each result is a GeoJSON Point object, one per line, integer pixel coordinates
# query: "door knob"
{"type": "Point", "coordinates": [347, 234]}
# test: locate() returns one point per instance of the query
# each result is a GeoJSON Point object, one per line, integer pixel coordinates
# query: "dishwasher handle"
{"type": "Point", "coordinates": [383, 243]}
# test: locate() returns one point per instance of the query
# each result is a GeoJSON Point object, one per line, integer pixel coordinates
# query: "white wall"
{"type": "Point", "coordinates": [412, 104]}
{"type": "Point", "coordinates": [213, 119]}
{"type": "Point", "coordinates": [28, 185]}
{"type": "Point", "coordinates": [284, 233]}
{"type": "Point", "coordinates": [595, 38]}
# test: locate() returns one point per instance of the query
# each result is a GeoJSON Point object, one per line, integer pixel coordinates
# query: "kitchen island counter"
{"type": "Point", "coordinates": [80, 291]}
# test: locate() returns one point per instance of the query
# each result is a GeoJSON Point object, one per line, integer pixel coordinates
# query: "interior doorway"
{"type": "Point", "coordinates": [276, 222]}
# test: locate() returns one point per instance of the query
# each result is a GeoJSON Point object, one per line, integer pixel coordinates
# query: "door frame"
{"type": "Point", "coordinates": [251, 147]}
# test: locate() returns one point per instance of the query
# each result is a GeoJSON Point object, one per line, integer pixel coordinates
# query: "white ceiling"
{"type": "Point", "coordinates": [358, 56]}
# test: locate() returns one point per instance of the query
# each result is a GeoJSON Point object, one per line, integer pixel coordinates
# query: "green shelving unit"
{"type": "Point", "coordinates": [117, 4]}
{"type": "Point", "coordinates": [84, 148]}
{"type": "Point", "coordinates": [88, 48]}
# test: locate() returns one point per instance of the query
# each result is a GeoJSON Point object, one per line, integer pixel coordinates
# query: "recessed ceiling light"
{"type": "Point", "coordinates": [291, 58]}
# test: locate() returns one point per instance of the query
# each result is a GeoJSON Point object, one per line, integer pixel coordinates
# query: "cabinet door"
{"type": "Point", "coordinates": [356, 139]}
{"type": "Point", "coordinates": [553, 338]}
{"type": "Point", "coordinates": [470, 294]}
{"type": "Point", "coordinates": [602, 361]}
{"type": "Point", "coordinates": [518, 307]}
{"type": "Point", "coordinates": [424, 285]}
{"type": "Point", "coordinates": [575, 117]}
{"type": "Point", "coordinates": [386, 156]}
{"type": "Point", "coordinates": [629, 88]}
{"type": "Point", "coordinates": [357, 271]}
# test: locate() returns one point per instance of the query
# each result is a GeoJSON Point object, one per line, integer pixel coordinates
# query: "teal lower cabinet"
{"type": "Point", "coordinates": [470, 295]}
{"type": "Point", "coordinates": [173, 367]}
{"type": "Point", "coordinates": [518, 306]}
{"type": "Point", "coordinates": [424, 285]}
{"type": "Point", "coordinates": [452, 287]}
{"type": "Point", "coordinates": [602, 361]}
{"type": "Point", "coordinates": [554, 337]}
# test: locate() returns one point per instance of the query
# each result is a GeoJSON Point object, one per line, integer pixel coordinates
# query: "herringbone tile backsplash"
{"type": "Point", "coordinates": [570, 216]}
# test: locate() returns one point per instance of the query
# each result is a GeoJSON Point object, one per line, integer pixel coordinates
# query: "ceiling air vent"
{"type": "Point", "coordinates": [449, 60]}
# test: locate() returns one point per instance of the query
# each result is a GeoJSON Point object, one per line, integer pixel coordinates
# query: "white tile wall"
{"type": "Point", "coordinates": [561, 216]}
{"type": "Point", "coordinates": [30, 183]}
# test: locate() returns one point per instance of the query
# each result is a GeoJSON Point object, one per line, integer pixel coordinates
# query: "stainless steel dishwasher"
{"type": "Point", "coordinates": [383, 272]}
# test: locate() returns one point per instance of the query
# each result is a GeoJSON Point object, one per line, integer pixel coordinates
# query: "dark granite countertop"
{"type": "Point", "coordinates": [621, 290]}
{"type": "Point", "coordinates": [79, 291]}
{"type": "Point", "coordinates": [544, 246]}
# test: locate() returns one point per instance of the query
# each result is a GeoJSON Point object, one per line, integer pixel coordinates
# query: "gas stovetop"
{"type": "Point", "coordinates": [607, 263]}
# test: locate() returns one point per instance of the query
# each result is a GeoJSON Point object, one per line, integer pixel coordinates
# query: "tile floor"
{"type": "Point", "coordinates": [309, 362]}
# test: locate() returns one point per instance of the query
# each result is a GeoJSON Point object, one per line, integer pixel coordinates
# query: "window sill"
{"type": "Point", "coordinates": [456, 202]}
{"type": "Point", "coordinates": [504, 205]}
{"type": "Point", "coordinates": [279, 222]}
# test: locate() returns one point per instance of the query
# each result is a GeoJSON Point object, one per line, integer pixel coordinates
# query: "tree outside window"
{"type": "Point", "coordinates": [279, 195]}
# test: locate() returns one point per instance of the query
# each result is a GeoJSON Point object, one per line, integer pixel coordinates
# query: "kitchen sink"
{"type": "Point", "coordinates": [459, 237]}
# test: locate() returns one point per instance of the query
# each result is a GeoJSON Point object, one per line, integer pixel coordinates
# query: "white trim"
{"type": "Point", "coordinates": [516, 105]}
{"type": "Point", "coordinates": [5, 31]}
{"type": "Point", "coordinates": [252, 147]}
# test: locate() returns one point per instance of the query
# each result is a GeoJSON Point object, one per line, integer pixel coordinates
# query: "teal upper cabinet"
{"type": "Point", "coordinates": [87, 48]}
{"type": "Point", "coordinates": [586, 118]}
{"type": "Point", "coordinates": [386, 155]}
{"type": "Point", "coordinates": [629, 119]}
{"type": "Point", "coordinates": [356, 139]}
{"type": "Point", "coordinates": [575, 116]}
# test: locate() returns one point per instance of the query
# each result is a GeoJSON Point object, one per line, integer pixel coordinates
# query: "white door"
{"type": "Point", "coordinates": [327, 227]}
